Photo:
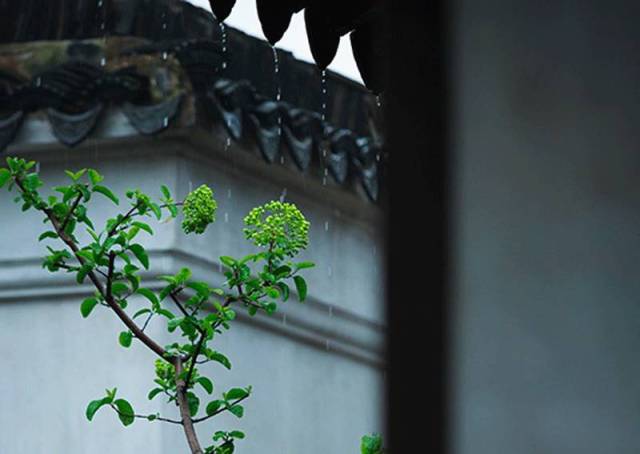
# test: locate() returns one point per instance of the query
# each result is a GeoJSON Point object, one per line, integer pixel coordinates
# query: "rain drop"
{"type": "Point", "coordinates": [282, 159]}
{"type": "Point", "coordinates": [283, 194]}
{"type": "Point", "coordinates": [38, 167]}
{"type": "Point", "coordinates": [326, 344]}
{"type": "Point", "coordinates": [103, 61]}
{"type": "Point", "coordinates": [165, 122]}
{"type": "Point", "coordinates": [164, 55]}
{"type": "Point", "coordinates": [228, 193]}
{"type": "Point", "coordinates": [284, 319]}
{"type": "Point", "coordinates": [324, 95]}
{"type": "Point", "coordinates": [223, 37]}
{"type": "Point", "coordinates": [226, 217]}
{"type": "Point", "coordinates": [326, 226]}
{"type": "Point", "coordinates": [227, 144]}
{"type": "Point", "coordinates": [329, 271]}
{"type": "Point", "coordinates": [378, 102]}
{"type": "Point", "coordinates": [220, 267]}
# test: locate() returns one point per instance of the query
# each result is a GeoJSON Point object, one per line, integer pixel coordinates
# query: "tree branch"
{"type": "Point", "coordinates": [156, 418]}
{"type": "Point", "coordinates": [217, 412]}
{"type": "Point", "coordinates": [187, 422]}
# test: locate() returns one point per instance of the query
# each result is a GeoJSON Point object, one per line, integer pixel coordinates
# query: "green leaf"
{"type": "Point", "coordinates": [125, 339]}
{"type": "Point", "coordinates": [165, 191]}
{"type": "Point", "coordinates": [301, 287]}
{"type": "Point", "coordinates": [144, 226]}
{"type": "Point", "coordinates": [284, 289]}
{"type": "Point", "coordinates": [237, 410]}
{"type": "Point", "coordinates": [236, 434]}
{"type": "Point", "coordinates": [145, 310]}
{"type": "Point", "coordinates": [153, 393]}
{"type": "Point", "coordinates": [5, 175]}
{"type": "Point", "coordinates": [49, 234]}
{"type": "Point", "coordinates": [214, 406]}
{"type": "Point", "coordinates": [219, 358]}
{"type": "Point", "coordinates": [125, 411]}
{"type": "Point", "coordinates": [75, 176]}
{"type": "Point", "coordinates": [140, 254]}
{"type": "Point", "coordinates": [303, 265]}
{"type": "Point", "coordinates": [229, 261]}
{"type": "Point", "coordinates": [206, 384]}
{"type": "Point", "coordinates": [149, 294]}
{"type": "Point", "coordinates": [156, 210]}
{"type": "Point", "coordinates": [95, 405]}
{"type": "Point", "coordinates": [95, 177]}
{"type": "Point", "coordinates": [194, 403]}
{"type": "Point", "coordinates": [107, 193]}
{"type": "Point", "coordinates": [87, 306]}
{"type": "Point", "coordinates": [117, 288]}
{"type": "Point", "coordinates": [273, 292]}
{"type": "Point", "coordinates": [182, 276]}
{"type": "Point", "coordinates": [236, 393]}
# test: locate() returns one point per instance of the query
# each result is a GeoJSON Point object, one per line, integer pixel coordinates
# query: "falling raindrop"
{"type": "Point", "coordinates": [324, 95]}
{"type": "Point", "coordinates": [326, 344]}
{"type": "Point", "coordinates": [227, 144]}
{"type": "Point", "coordinates": [226, 217]}
{"type": "Point", "coordinates": [164, 55]}
{"type": "Point", "coordinates": [39, 82]}
{"type": "Point", "coordinates": [220, 267]}
{"type": "Point", "coordinates": [329, 271]}
{"type": "Point", "coordinates": [276, 71]}
{"type": "Point", "coordinates": [284, 319]}
{"type": "Point", "coordinates": [283, 194]}
{"type": "Point", "coordinates": [223, 37]}
{"type": "Point", "coordinates": [378, 102]}
{"type": "Point", "coordinates": [228, 193]}
{"type": "Point", "coordinates": [37, 166]}
{"type": "Point", "coordinates": [282, 159]}
{"type": "Point", "coordinates": [165, 122]}
{"type": "Point", "coordinates": [326, 226]}
{"type": "Point", "coordinates": [103, 61]}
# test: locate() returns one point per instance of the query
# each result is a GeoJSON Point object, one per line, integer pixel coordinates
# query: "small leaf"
{"type": "Point", "coordinates": [125, 411]}
{"type": "Point", "coordinates": [148, 294]}
{"type": "Point", "coordinates": [145, 310]}
{"type": "Point", "coordinates": [237, 410]}
{"type": "Point", "coordinates": [236, 393]}
{"type": "Point", "coordinates": [95, 405]}
{"type": "Point", "coordinates": [194, 403]}
{"type": "Point", "coordinates": [154, 392]}
{"type": "Point", "coordinates": [87, 306]}
{"type": "Point", "coordinates": [220, 358]}
{"type": "Point", "coordinates": [107, 193]}
{"type": "Point", "coordinates": [304, 265]}
{"type": "Point", "coordinates": [125, 339]}
{"type": "Point", "coordinates": [301, 287]}
{"type": "Point", "coordinates": [236, 434]}
{"type": "Point", "coordinates": [214, 406]}
{"type": "Point", "coordinates": [5, 175]}
{"type": "Point", "coordinates": [144, 226]}
{"type": "Point", "coordinates": [49, 234]}
{"type": "Point", "coordinates": [95, 177]}
{"type": "Point", "coordinates": [229, 261]}
{"type": "Point", "coordinates": [165, 191]}
{"type": "Point", "coordinates": [140, 254]}
{"type": "Point", "coordinates": [206, 384]}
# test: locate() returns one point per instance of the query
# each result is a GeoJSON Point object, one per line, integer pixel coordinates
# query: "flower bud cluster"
{"type": "Point", "coordinates": [199, 210]}
{"type": "Point", "coordinates": [278, 224]}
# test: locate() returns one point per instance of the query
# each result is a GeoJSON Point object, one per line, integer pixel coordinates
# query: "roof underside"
{"type": "Point", "coordinates": [168, 64]}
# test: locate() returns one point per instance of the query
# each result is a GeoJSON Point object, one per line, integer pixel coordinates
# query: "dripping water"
{"type": "Point", "coordinates": [226, 217]}
{"type": "Point", "coordinates": [165, 122]}
{"type": "Point", "coordinates": [378, 101]}
{"type": "Point", "coordinates": [227, 143]}
{"type": "Point", "coordinates": [276, 72]}
{"type": "Point", "coordinates": [323, 111]}
{"type": "Point", "coordinates": [223, 36]}
{"type": "Point", "coordinates": [326, 226]}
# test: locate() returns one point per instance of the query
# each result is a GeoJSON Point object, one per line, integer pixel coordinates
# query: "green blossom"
{"type": "Point", "coordinates": [199, 210]}
{"type": "Point", "coordinates": [278, 225]}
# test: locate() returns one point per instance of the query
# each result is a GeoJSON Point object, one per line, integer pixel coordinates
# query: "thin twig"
{"type": "Point", "coordinates": [156, 418]}
{"type": "Point", "coordinates": [217, 412]}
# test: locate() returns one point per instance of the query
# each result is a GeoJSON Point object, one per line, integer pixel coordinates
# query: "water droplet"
{"type": "Point", "coordinates": [103, 61]}
{"type": "Point", "coordinates": [329, 271]}
{"type": "Point", "coordinates": [282, 159]}
{"type": "Point", "coordinates": [283, 194]}
{"type": "Point", "coordinates": [228, 193]}
{"type": "Point", "coordinates": [326, 344]}
{"type": "Point", "coordinates": [323, 82]}
{"type": "Point", "coordinates": [226, 217]}
{"type": "Point", "coordinates": [284, 319]}
{"type": "Point", "coordinates": [165, 122]}
{"type": "Point", "coordinates": [378, 157]}
{"type": "Point", "coordinates": [39, 82]}
{"type": "Point", "coordinates": [378, 102]}
{"type": "Point", "coordinates": [164, 55]}
{"type": "Point", "coordinates": [324, 181]}
{"type": "Point", "coordinates": [38, 167]}
{"type": "Point", "coordinates": [223, 37]}
{"type": "Point", "coordinates": [326, 226]}
{"type": "Point", "coordinates": [227, 144]}
{"type": "Point", "coordinates": [220, 267]}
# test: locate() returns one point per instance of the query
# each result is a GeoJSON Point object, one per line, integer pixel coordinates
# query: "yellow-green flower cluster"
{"type": "Point", "coordinates": [199, 210]}
{"type": "Point", "coordinates": [165, 370]}
{"type": "Point", "coordinates": [278, 224]}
